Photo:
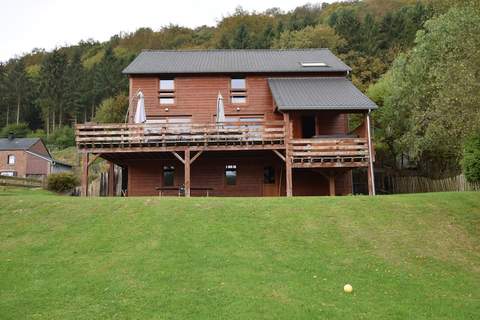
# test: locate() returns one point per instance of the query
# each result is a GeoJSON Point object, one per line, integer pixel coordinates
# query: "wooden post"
{"type": "Point", "coordinates": [111, 179]}
{"type": "Point", "coordinates": [84, 180]}
{"type": "Point", "coordinates": [331, 183]}
{"type": "Point", "coordinates": [371, 178]}
{"type": "Point", "coordinates": [288, 158]}
{"type": "Point", "coordinates": [187, 172]}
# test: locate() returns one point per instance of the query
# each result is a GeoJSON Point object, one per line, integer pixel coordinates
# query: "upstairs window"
{"type": "Point", "coordinates": [231, 174]}
{"type": "Point", "coordinates": [11, 159]}
{"type": "Point", "coordinates": [168, 176]}
{"type": "Point", "coordinates": [167, 91]}
{"type": "Point", "coordinates": [238, 90]}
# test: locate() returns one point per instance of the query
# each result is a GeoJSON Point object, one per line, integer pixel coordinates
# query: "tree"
{"type": "Point", "coordinates": [18, 86]}
{"type": "Point", "coordinates": [310, 37]}
{"type": "Point", "coordinates": [471, 158]}
{"type": "Point", "coordinates": [52, 88]}
{"type": "Point", "coordinates": [113, 110]}
{"type": "Point", "coordinates": [435, 90]}
{"type": "Point", "coordinates": [241, 38]}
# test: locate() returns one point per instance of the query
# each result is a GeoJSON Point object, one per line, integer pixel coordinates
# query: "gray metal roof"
{"type": "Point", "coordinates": [17, 143]}
{"type": "Point", "coordinates": [327, 93]}
{"type": "Point", "coordinates": [234, 61]}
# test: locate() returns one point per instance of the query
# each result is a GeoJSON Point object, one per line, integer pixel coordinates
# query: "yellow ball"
{"type": "Point", "coordinates": [347, 288]}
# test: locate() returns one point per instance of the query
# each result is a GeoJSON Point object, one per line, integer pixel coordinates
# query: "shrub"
{"type": "Point", "coordinates": [20, 130]}
{"type": "Point", "coordinates": [62, 137]}
{"type": "Point", "coordinates": [62, 182]}
{"type": "Point", "coordinates": [471, 158]}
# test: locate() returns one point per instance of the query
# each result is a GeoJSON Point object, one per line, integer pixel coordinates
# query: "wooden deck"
{"type": "Point", "coordinates": [329, 152]}
{"type": "Point", "coordinates": [156, 137]}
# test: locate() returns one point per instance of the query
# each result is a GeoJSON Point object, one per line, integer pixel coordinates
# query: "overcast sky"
{"type": "Point", "coordinates": [28, 24]}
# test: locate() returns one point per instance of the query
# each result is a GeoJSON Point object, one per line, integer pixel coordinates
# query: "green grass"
{"type": "Point", "coordinates": [407, 257]}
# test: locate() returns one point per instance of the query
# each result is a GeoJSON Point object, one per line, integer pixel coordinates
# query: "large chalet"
{"type": "Point", "coordinates": [285, 129]}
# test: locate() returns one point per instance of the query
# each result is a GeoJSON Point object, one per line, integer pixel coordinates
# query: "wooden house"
{"type": "Point", "coordinates": [285, 132]}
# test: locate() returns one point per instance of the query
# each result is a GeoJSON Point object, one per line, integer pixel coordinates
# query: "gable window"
{"type": "Point", "coordinates": [238, 90]}
{"type": "Point", "coordinates": [166, 91]}
{"type": "Point", "coordinates": [168, 176]}
{"type": "Point", "coordinates": [231, 174]}
{"type": "Point", "coordinates": [11, 159]}
{"type": "Point", "coordinates": [269, 175]}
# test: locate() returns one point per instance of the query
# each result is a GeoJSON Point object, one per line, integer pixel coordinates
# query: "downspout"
{"type": "Point", "coordinates": [370, 153]}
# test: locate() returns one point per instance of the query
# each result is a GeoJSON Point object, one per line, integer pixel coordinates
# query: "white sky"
{"type": "Point", "coordinates": [28, 24]}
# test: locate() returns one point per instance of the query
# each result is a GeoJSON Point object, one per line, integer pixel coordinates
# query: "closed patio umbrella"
{"type": "Point", "coordinates": [140, 116]}
{"type": "Point", "coordinates": [220, 109]}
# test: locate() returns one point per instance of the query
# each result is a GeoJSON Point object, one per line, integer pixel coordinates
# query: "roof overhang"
{"type": "Point", "coordinates": [318, 93]}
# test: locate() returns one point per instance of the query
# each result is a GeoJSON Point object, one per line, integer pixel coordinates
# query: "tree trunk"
{"type": "Point", "coordinates": [53, 121]}
{"type": "Point", "coordinates": [8, 112]}
{"type": "Point", "coordinates": [18, 109]}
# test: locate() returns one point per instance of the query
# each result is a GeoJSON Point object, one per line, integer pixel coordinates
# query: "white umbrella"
{"type": "Point", "coordinates": [140, 116]}
{"type": "Point", "coordinates": [220, 109]}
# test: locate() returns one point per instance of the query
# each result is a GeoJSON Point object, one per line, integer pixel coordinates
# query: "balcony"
{"type": "Point", "coordinates": [151, 137]}
{"type": "Point", "coordinates": [330, 152]}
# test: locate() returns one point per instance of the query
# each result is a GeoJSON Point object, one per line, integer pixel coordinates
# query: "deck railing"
{"type": "Point", "coordinates": [329, 152]}
{"type": "Point", "coordinates": [178, 134]}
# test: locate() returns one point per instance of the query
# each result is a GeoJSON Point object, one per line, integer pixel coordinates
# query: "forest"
{"type": "Point", "coordinates": [418, 60]}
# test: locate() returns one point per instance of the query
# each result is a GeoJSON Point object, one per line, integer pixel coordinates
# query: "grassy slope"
{"type": "Point", "coordinates": [407, 257]}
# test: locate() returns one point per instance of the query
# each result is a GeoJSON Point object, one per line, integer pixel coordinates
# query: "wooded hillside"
{"type": "Point", "coordinates": [46, 92]}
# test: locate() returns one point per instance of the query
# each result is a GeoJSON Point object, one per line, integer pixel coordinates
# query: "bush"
{"type": "Point", "coordinates": [62, 182]}
{"type": "Point", "coordinates": [20, 130]}
{"type": "Point", "coordinates": [471, 159]}
{"type": "Point", "coordinates": [113, 110]}
{"type": "Point", "coordinates": [62, 138]}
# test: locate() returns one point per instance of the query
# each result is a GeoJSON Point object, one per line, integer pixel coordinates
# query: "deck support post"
{"type": "Point", "coordinates": [288, 158]}
{"type": "Point", "coordinates": [331, 183]}
{"type": "Point", "coordinates": [84, 180]}
{"type": "Point", "coordinates": [111, 179]}
{"type": "Point", "coordinates": [371, 178]}
{"type": "Point", "coordinates": [187, 172]}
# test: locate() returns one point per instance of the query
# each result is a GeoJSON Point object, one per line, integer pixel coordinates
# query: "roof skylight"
{"type": "Point", "coordinates": [313, 64]}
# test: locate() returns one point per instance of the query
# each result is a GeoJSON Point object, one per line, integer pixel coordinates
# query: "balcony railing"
{"type": "Point", "coordinates": [105, 136]}
{"type": "Point", "coordinates": [329, 152]}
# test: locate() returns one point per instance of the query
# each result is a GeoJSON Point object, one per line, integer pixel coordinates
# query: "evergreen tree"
{"type": "Point", "coordinates": [241, 38]}
{"type": "Point", "coordinates": [19, 86]}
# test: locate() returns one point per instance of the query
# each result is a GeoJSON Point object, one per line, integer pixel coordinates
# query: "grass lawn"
{"type": "Point", "coordinates": [407, 257]}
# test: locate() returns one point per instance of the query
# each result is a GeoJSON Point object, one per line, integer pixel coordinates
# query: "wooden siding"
{"type": "Point", "coordinates": [144, 175]}
{"type": "Point", "coordinates": [196, 96]}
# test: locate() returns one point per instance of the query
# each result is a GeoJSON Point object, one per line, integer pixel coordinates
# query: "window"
{"type": "Point", "coordinates": [8, 173]}
{"type": "Point", "coordinates": [269, 175]}
{"type": "Point", "coordinates": [166, 91]}
{"type": "Point", "coordinates": [238, 90]}
{"type": "Point", "coordinates": [231, 174]}
{"type": "Point", "coordinates": [11, 159]}
{"type": "Point", "coordinates": [168, 176]}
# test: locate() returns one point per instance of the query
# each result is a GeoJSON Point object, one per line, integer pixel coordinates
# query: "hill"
{"type": "Point", "coordinates": [407, 257]}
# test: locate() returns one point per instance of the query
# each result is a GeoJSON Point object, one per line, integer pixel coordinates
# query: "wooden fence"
{"type": "Point", "coordinates": [413, 184]}
{"type": "Point", "coordinates": [20, 182]}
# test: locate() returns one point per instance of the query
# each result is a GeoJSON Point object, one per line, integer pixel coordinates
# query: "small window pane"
{"type": "Point", "coordinates": [269, 175]}
{"type": "Point", "coordinates": [167, 84]}
{"type": "Point", "coordinates": [8, 173]}
{"type": "Point", "coordinates": [231, 175]}
{"type": "Point", "coordinates": [11, 159]}
{"type": "Point", "coordinates": [168, 176]}
{"type": "Point", "coordinates": [238, 84]}
{"type": "Point", "coordinates": [167, 100]}
{"type": "Point", "coordinates": [239, 99]}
